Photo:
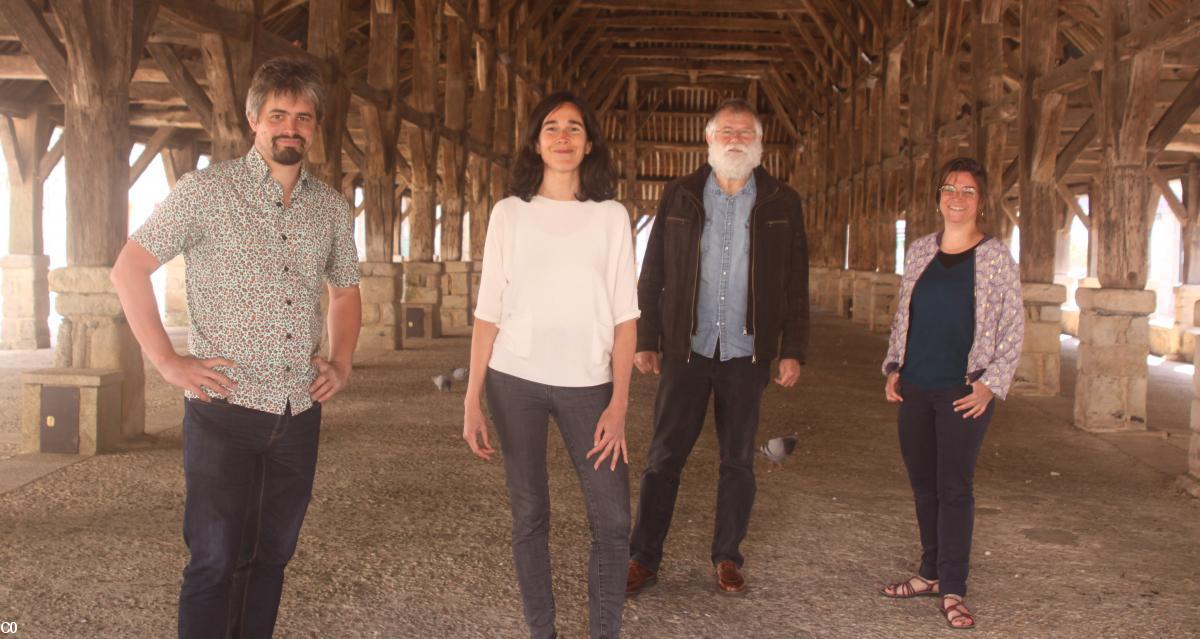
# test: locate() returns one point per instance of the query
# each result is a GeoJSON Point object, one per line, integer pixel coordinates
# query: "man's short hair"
{"type": "Point", "coordinates": [733, 105]}
{"type": "Point", "coordinates": [291, 76]}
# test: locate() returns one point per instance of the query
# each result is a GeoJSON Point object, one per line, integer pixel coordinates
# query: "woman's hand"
{"type": "Point", "coordinates": [976, 402]}
{"type": "Point", "coordinates": [474, 429]}
{"type": "Point", "coordinates": [609, 438]}
{"type": "Point", "coordinates": [891, 389]}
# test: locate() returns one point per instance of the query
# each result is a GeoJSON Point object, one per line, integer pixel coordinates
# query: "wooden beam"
{"type": "Point", "coordinates": [780, 110]}
{"type": "Point", "coordinates": [208, 16]}
{"type": "Point", "coordinates": [1175, 116]}
{"type": "Point", "coordinates": [184, 83]}
{"type": "Point", "coordinates": [153, 146]}
{"type": "Point", "coordinates": [1164, 186]}
{"type": "Point", "coordinates": [50, 159]}
{"type": "Point", "coordinates": [1072, 203]}
{"type": "Point", "coordinates": [830, 39]}
{"type": "Point", "coordinates": [27, 19]}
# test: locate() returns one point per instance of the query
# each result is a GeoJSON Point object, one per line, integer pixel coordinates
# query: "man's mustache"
{"type": "Point", "coordinates": [286, 137]}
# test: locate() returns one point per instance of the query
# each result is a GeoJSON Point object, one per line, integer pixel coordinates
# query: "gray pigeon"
{"type": "Point", "coordinates": [442, 382]}
{"type": "Point", "coordinates": [459, 374]}
{"type": "Point", "coordinates": [778, 449]}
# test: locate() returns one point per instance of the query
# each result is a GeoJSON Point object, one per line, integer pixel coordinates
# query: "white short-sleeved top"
{"type": "Point", "coordinates": [557, 279]}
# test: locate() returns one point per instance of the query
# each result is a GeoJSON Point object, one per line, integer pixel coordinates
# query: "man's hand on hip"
{"type": "Point", "coordinates": [189, 373]}
{"type": "Point", "coordinates": [331, 378]}
{"type": "Point", "coordinates": [648, 362]}
{"type": "Point", "coordinates": [789, 372]}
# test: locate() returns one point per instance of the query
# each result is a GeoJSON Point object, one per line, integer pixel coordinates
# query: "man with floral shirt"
{"type": "Point", "coordinates": [260, 237]}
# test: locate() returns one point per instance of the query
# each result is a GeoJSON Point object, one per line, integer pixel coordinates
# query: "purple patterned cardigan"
{"type": "Point", "coordinates": [999, 312]}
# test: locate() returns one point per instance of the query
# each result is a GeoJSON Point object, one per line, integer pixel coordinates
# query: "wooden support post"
{"type": "Point", "coordinates": [228, 65]}
{"type": "Point", "coordinates": [630, 150]}
{"type": "Point", "coordinates": [1114, 325]}
{"type": "Point", "coordinates": [988, 66]}
{"type": "Point", "coordinates": [176, 162]}
{"type": "Point", "coordinates": [1039, 122]}
{"type": "Point", "coordinates": [454, 155]}
{"type": "Point", "coordinates": [422, 143]}
{"type": "Point", "coordinates": [482, 127]}
{"type": "Point", "coordinates": [328, 21]}
{"type": "Point", "coordinates": [25, 267]}
{"type": "Point", "coordinates": [100, 55]}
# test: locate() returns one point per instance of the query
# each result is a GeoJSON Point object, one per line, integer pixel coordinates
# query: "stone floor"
{"type": "Point", "coordinates": [1077, 535]}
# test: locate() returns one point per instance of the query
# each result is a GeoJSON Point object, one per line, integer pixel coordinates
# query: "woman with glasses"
{"type": "Point", "coordinates": [554, 335]}
{"type": "Point", "coordinates": [955, 342]}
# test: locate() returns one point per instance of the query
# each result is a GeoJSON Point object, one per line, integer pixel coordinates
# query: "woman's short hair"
{"type": "Point", "coordinates": [289, 76]}
{"type": "Point", "coordinates": [964, 165]}
{"type": "Point", "coordinates": [597, 177]}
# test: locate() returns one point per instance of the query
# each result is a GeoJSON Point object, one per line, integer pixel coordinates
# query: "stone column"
{"type": "Point", "coordinates": [861, 286]}
{"type": "Point", "coordinates": [1190, 482]}
{"type": "Point", "coordinates": [94, 334]}
{"type": "Point", "coordinates": [1038, 372]}
{"type": "Point", "coordinates": [885, 294]}
{"type": "Point", "coordinates": [816, 283]}
{"type": "Point", "coordinates": [1114, 340]}
{"type": "Point", "coordinates": [423, 290]}
{"type": "Point", "coordinates": [456, 296]}
{"type": "Point", "coordinates": [26, 297]}
{"type": "Point", "coordinates": [26, 302]}
{"type": "Point", "coordinates": [845, 293]}
{"type": "Point", "coordinates": [382, 286]}
{"type": "Point", "coordinates": [1186, 297]}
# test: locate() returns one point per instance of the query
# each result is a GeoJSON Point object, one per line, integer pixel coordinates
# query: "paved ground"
{"type": "Point", "coordinates": [407, 536]}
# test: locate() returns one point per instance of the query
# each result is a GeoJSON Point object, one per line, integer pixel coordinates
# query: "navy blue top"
{"type": "Point", "coordinates": [942, 323]}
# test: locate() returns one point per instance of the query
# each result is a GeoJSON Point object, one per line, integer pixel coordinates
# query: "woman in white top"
{"type": "Point", "coordinates": [554, 335]}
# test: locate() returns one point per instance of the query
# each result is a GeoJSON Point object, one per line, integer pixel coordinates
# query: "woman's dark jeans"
{"type": "Point", "coordinates": [249, 478]}
{"type": "Point", "coordinates": [940, 448]}
{"type": "Point", "coordinates": [521, 410]}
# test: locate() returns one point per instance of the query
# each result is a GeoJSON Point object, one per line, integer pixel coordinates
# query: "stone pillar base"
{"type": "Point", "coordinates": [94, 334]}
{"type": "Point", "coordinates": [885, 295]}
{"type": "Point", "coordinates": [844, 299]}
{"type": "Point", "coordinates": [817, 284]}
{"type": "Point", "coordinates": [26, 302]}
{"type": "Point", "coordinates": [94, 422]}
{"type": "Point", "coordinates": [1191, 481]}
{"type": "Point", "coordinates": [1114, 340]}
{"type": "Point", "coordinates": [862, 284]}
{"type": "Point", "coordinates": [1039, 370]}
{"type": "Point", "coordinates": [176, 312]}
{"type": "Point", "coordinates": [382, 286]}
{"type": "Point", "coordinates": [1186, 298]}
{"type": "Point", "coordinates": [423, 290]}
{"type": "Point", "coordinates": [457, 296]}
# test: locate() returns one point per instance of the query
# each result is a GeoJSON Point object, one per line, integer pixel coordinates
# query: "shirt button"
{"type": "Point", "coordinates": [279, 203]}
{"type": "Point", "coordinates": [289, 336]}
{"type": "Point", "coordinates": [285, 269]}
{"type": "Point", "coordinates": [287, 368]}
{"type": "Point", "coordinates": [283, 236]}
{"type": "Point", "coordinates": [288, 302]}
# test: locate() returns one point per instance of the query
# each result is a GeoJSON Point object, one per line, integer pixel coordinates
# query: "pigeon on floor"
{"type": "Point", "coordinates": [778, 449]}
{"type": "Point", "coordinates": [442, 382]}
{"type": "Point", "coordinates": [459, 374]}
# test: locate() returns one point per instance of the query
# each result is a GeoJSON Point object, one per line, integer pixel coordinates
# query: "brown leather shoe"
{"type": "Point", "coordinates": [729, 577]}
{"type": "Point", "coordinates": [638, 577]}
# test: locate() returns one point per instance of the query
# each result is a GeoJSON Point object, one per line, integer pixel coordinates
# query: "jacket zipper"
{"type": "Point", "coordinates": [754, 315]}
{"type": "Point", "coordinates": [696, 286]}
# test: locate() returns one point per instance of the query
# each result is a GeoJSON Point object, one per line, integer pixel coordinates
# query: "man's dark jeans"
{"type": "Point", "coordinates": [679, 409]}
{"type": "Point", "coordinates": [249, 478]}
{"type": "Point", "coordinates": [940, 448]}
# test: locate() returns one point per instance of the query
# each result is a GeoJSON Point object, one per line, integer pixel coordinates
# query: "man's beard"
{"type": "Point", "coordinates": [734, 166]}
{"type": "Point", "coordinates": [287, 155]}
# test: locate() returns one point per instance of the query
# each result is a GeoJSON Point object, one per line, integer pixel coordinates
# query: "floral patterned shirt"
{"type": "Point", "coordinates": [255, 272]}
{"type": "Point", "coordinates": [999, 312]}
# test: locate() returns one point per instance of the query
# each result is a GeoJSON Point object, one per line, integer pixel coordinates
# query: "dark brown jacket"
{"type": "Point", "coordinates": [777, 313]}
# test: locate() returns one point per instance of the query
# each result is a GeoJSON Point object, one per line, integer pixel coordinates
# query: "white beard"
{"type": "Point", "coordinates": [734, 166]}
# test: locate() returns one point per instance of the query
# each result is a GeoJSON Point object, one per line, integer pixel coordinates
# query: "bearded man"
{"type": "Point", "coordinates": [262, 238]}
{"type": "Point", "coordinates": [723, 291]}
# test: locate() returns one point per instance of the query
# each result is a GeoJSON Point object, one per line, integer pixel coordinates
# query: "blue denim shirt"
{"type": "Point", "coordinates": [724, 272]}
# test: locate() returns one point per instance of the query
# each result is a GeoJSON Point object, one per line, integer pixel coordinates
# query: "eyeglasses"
{"type": "Point", "coordinates": [743, 134]}
{"type": "Point", "coordinates": [968, 192]}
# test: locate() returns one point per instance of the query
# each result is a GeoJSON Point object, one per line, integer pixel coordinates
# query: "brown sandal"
{"type": "Point", "coordinates": [905, 589]}
{"type": "Point", "coordinates": [958, 607]}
